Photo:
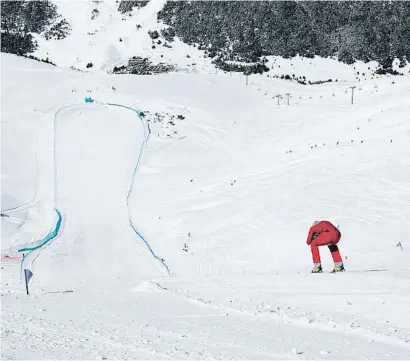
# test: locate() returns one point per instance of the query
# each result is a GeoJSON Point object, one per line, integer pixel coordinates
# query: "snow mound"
{"type": "Point", "coordinates": [147, 286]}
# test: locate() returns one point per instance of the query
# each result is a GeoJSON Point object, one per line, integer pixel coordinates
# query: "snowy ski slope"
{"type": "Point", "coordinates": [237, 186]}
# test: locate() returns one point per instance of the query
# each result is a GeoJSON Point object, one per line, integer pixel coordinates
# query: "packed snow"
{"type": "Point", "coordinates": [190, 241]}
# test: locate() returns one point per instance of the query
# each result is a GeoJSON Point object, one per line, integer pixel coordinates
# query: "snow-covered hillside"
{"type": "Point", "coordinates": [224, 192]}
{"type": "Point", "coordinates": [101, 38]}
{"type": "Point", "coordinates": [104, 37]}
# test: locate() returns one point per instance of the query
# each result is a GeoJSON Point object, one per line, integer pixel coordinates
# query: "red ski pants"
{"type": "Point", "coordinates": [329, 239]}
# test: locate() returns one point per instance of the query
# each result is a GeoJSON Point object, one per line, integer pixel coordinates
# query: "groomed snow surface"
{"type": "Point", "coordinates": [223, 195]}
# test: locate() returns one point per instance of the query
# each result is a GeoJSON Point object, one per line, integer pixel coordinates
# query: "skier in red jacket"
{"type": "Point", "coordinates": [324, 233]}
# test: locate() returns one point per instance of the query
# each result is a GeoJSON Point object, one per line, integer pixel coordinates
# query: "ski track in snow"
{"type": "Point", "coordinates": [79, 188]}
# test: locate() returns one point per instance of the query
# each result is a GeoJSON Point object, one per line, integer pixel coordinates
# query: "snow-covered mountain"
{"type": "Point", "coordinates": [102, 37]}
{"type": "Point", "coordinates": [168, 217]}
{"type": "Point", "coordinates": [95, 35]}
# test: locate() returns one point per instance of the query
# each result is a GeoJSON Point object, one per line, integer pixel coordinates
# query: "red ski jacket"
{"type": "Point", "coordinates": [322, 226]}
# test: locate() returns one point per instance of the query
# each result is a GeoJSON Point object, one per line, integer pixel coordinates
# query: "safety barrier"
{"type": "Point", "coordinates": [38, 244]}
{"type": "Point", "coordinates": [147, 132]}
